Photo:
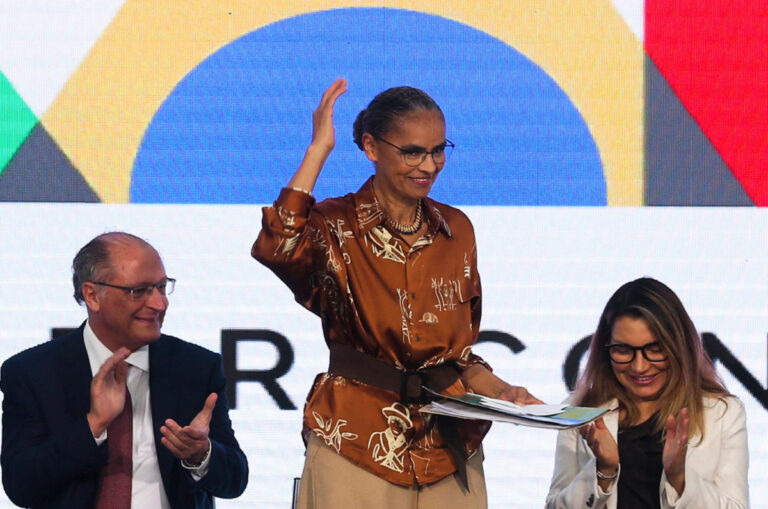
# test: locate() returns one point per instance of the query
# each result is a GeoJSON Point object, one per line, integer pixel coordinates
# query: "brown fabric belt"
{"type": "Point", "coordinates": [350, 363]}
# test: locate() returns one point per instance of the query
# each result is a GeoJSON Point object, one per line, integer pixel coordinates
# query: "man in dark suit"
{"type": "Point", "coordinates": [96, 418]}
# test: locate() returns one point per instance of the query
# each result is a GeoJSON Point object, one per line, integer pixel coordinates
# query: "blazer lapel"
{"type": "Point", "coordinates": [75, 371]}
{"type": "Point", "coordinates": [163, 400]}
{"type": "Point", "coordinates": [611, 419]}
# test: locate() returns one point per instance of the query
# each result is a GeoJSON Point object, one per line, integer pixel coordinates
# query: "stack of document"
{"type": "Point", "coordinates": [475, 406]}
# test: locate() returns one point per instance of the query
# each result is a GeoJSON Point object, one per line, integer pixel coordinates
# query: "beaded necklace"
{"type": "Point", "coordinates": [409, 229]}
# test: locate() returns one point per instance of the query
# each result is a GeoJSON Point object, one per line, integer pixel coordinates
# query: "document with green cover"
{"type": "Point", "coordinates": [475, 406]}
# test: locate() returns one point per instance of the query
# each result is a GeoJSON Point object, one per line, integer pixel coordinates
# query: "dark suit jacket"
{"type": "Point", "coordinates": [49, 457]}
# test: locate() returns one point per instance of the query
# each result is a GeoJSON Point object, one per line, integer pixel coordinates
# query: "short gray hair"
{"type": "Point", "coordinates": [91, 263]}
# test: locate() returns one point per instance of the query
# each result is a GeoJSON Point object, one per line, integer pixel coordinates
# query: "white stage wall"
{"type": "Point", "coordinates": [546, 272]}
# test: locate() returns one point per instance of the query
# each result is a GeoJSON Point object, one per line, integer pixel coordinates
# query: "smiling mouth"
{"type": "Point", "coordinates": [422, 180]}
{"type": "Point", "coordinates": [643, 380]}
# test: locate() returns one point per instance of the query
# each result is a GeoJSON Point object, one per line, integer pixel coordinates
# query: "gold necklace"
{"type": "Point", "coordinates": [409, 229]}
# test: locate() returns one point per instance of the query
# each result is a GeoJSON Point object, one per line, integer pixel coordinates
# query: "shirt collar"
{"type": "Point", "coordinates": [370, 214]}
{"type": "Point", "coordinates": [98, 353]}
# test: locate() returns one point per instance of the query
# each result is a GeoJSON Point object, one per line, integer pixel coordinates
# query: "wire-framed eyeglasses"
{"type": "Point", "coordinates": [624, 354]}
{"type": "Point", "coordinates": [416, 155]}
{"type": "Point", "coordinates": [144, 292]}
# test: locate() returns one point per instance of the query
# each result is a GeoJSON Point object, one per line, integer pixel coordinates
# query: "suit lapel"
{"type": "Point", "coordinates": [163, 399]}
{"type": "Point", "coordinates": [75, 371]}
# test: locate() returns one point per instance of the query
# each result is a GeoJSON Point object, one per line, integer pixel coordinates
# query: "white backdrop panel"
{"type": "Point", "coordinates": [547, 273]}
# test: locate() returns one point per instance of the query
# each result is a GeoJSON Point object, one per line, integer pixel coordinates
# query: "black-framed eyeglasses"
{"type": "Point", "coordinates": [415, 156]}
{"type": "Point", "coordinates": [624, 354]}
{"type": "Point", "coordinates": [144, 292]}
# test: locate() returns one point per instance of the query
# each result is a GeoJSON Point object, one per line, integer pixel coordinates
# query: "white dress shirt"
{"type": "Point", "coordinates": [147, 491]}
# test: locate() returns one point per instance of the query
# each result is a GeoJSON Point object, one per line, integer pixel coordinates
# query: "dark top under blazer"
{"type": "Point", "coordinates": [49, 457]}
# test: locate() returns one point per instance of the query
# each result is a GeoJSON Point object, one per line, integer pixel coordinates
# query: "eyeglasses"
{"type": "Point", "coordinates": [624, 354]}
{"type": "Point", "coordinates": [144, 292]}
{"type": "Point", "coordinates": [415, 156]}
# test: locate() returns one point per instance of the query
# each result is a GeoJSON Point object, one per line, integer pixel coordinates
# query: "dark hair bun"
{"type": "Point", "coordinates": [386, 107]}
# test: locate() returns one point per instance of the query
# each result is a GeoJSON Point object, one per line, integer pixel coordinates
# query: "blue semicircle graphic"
{"type": "Point", "coordinates": [236, 127]}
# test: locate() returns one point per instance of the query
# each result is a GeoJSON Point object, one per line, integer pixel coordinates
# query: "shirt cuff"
{"type": "Point", "coordinates": [101, 438]}
{"type": "Point", "coordinates": [198, 471]}
{"type": "Point", "coordinates": [296, 201]}
{"type": "Point", "coordinates": [308, 193]}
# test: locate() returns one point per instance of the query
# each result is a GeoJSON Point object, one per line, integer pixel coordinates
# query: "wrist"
{"type": "Point", "coordinates": [606, 473]}
{"type": "Point", "coordinates": [98, 427]}
{"type": "Point", "coordinates": [317, 150]}
{"type": "Point", "coordinates": [677, 481]}
{"type": "Point", "coordinates": [197, 460]}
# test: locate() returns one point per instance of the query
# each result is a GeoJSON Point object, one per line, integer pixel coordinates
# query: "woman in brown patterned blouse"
{"type": "Point", "coordinates": [393, 276]}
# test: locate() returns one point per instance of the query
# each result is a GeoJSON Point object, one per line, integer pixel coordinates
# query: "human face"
{"type": "Point", "coordinates": [116, 319]}
{"type": "Point", "coordinates": [643, 380]}
{"type": "Point", "coordinates": [395, 181]}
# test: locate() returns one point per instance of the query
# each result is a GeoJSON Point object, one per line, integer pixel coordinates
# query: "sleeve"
{"type": "Point", "coordinates": [728, 488]}
{"type": "Point", "coordinates": [574, 481]}
{"type": "Point", "coordinates": [472, 291]}
{"type": "Point", "coordinates": [287, 242]}
{"type": "Point", "coordinates": [43, 454]}
{"type": "Point", "coordinates": [227, 474]}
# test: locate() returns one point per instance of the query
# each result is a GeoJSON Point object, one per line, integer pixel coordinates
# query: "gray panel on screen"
{"type": "Point", "coordinates": [40, 172]}
{"type": "Point", "coordinates": [682, 166]}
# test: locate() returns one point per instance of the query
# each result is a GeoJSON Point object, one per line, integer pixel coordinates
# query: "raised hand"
{"type": "Point", "coordinates": [190, 443]}
{"type": "Point", "coordinates": [675, 448]}
{"type": "Point", "coordinates": [108, 391]}
{"type": "Point", "coordinates": [604, 447]}
{"type": "Point", "coordinates": [323, 139]}
{"type": "Point", "coordinates": [323, 132]}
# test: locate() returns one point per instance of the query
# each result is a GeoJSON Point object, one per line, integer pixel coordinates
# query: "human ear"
{"type": "Point", "coordinates": [371, 147]}
{"type": "Point", "coordinates": [91, 296]}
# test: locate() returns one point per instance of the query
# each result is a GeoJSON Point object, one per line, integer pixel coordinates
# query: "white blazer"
{"type": "Point", "coordinates": [715, 468]}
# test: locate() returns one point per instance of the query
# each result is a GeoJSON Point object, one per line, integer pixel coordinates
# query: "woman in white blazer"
{"type": "Point", "coordinates": [675, 438]}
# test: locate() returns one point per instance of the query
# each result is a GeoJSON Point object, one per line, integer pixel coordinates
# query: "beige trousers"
{"type": "Point", "coordinates": [330, 481]}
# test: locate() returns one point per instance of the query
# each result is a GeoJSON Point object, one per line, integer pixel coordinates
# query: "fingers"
{"type": "Point", "coordinates": [108, 391]}
{"type": "Point", "coordinates": [671, 427]}
{"type": "Point", "coordinates": [601, 443]}
{"type": "Point", "coordinates": [323, 134]}
{"type": "Point", "coordinates": [192, 440]}
{"type": "Point", "coordinates": [675, 448]}
{"type": "Point", "coordinates": [115, 363]}
{"type": "Point", "coordinates": [681, 427]}
{"type": "Point", "coordinates": [210, 404]}
{"type": "Point", "coordinates": [338, 87]}
{"type": "Point", "coordinates": [533, 400]}
{"type": "Point", "coordinates": [589, 433]}
{"type": "Point", "coordinates": [183, 442]}
{"type": "Point", "coordinates": [518, 395]}
{"type": "Point", "coordinates": [178, 434]}
{"type": "Point", "coordinates": [203, 418]}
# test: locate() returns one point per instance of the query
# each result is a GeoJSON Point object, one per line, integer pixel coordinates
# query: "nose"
{"type": "Point", "coordinates": [428, 164]}
{"type": "Point", "coordinates": [157, 301]}
{"type": "Point", "coordinates": [639, 363]}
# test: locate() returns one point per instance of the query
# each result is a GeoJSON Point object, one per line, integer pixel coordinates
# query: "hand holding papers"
{"type": "Point", "coordinates": [475, 406]}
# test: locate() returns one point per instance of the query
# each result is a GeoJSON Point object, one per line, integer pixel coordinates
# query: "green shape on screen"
{"type": "Point", "coordinates": [16, 121]}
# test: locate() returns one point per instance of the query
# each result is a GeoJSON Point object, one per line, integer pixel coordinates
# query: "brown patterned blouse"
{"type": "Point", "coordinates": [410, 306]}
